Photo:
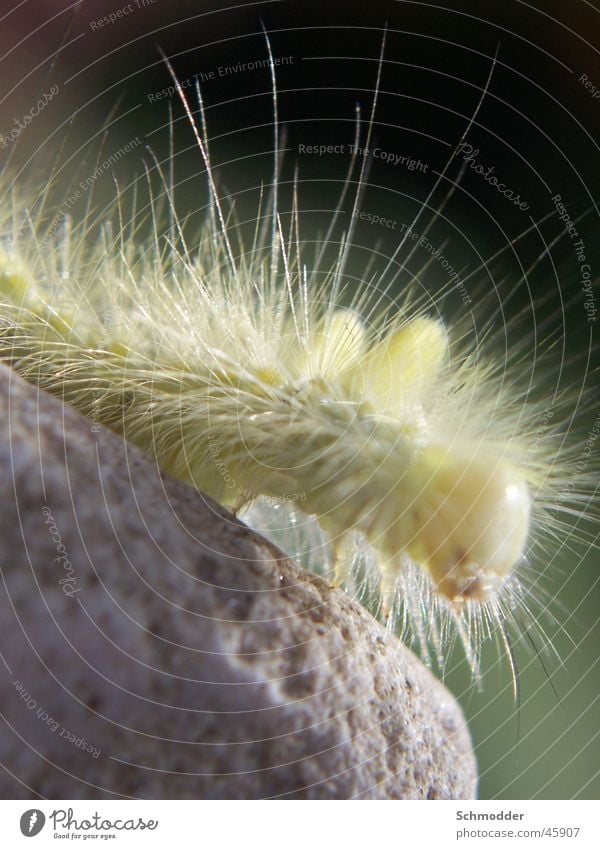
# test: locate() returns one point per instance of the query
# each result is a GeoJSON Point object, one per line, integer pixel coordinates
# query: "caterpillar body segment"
{"type": "Point", "coordinates": [353, 422]}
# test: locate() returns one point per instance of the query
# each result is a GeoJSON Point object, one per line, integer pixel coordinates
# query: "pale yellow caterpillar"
{"type": "Point", "coordinates": [247, 372]}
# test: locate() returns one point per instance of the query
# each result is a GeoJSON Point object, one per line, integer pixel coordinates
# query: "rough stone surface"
{"type": "Point", "coordinates": [154, 647]}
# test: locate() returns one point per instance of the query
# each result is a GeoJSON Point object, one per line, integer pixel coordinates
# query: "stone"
{"type": "Point", "coordinates": [154, 647]}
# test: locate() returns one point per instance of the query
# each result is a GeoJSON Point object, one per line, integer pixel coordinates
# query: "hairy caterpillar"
{"type": "Point", "coordinates": [248, 373]}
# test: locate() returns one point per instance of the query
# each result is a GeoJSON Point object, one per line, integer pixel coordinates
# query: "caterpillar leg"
{"type": "Point", "coordinates": [343, 557]}
{"type": "Point", "coordinates": [240, 503]}
{"type": "Point", "coordinates": [389, 577]}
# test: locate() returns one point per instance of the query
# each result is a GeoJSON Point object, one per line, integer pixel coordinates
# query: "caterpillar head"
{"type": "Point", "coordinates": [469, 521]}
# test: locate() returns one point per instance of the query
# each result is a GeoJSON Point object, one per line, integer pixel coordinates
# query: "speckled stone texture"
{"type": "Point", "coordinates": [154, 647]}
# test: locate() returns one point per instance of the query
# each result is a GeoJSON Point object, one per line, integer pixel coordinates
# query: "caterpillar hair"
{"type": "Point", "coordinates": [399, 448]}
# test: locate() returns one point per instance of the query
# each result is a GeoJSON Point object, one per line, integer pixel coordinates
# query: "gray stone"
{"type": "Point", "coordinates": [155, 647]}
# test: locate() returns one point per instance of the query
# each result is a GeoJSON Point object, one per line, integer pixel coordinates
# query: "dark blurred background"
{"type": "Point", "coordinates": [537, 126]}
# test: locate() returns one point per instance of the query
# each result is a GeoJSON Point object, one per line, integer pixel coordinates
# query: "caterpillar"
{"type": "Point", "coordinates": [261, 379]}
